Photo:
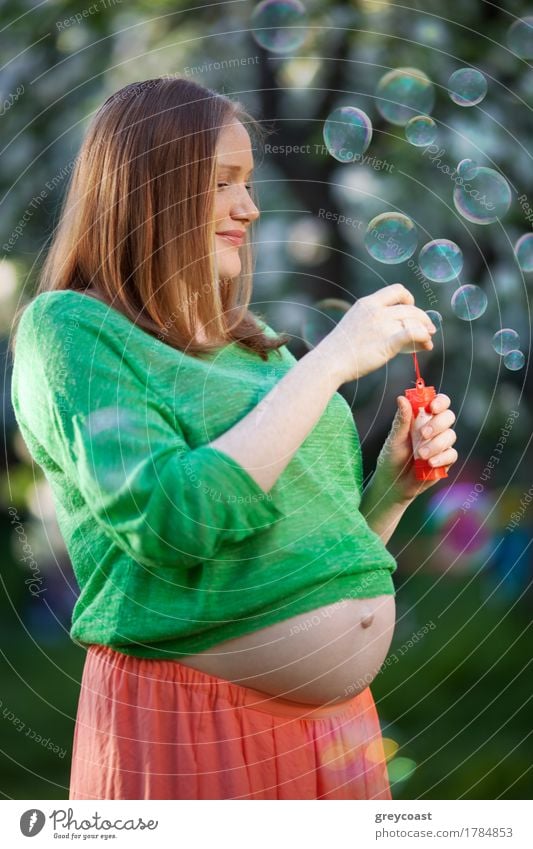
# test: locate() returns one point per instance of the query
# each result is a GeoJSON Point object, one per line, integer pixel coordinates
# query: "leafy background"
{"type": "Point", "coordinates": [455, 703]}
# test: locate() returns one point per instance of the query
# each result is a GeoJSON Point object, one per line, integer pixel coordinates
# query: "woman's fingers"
{"type": "Point", "coordinates": [440, 402]}
{"type": "Point", "coordinates": [446, 458]}
{"type": "Point", "coordinates": [440, 422]}
{"type": "Point", "coordinates": [395, 294]}
{"type": "Point", "coordinates": [408, 312]}
{"type": "Point", "coordinates": [414, 336]}
{"type": "Point", "coordinates": [436, 446]}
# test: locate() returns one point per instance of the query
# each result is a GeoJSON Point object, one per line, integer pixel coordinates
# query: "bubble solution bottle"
{"type": "Point", "coordinates": [420, 399]}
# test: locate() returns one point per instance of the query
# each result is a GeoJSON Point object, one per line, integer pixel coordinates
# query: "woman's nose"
{"type": "Point", "coordinates": [245, 209]}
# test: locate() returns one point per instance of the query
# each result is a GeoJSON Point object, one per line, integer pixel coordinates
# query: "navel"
{"type": "Point", "coordinates": [367, 620]}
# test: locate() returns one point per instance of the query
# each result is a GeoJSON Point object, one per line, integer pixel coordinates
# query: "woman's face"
{"type": "Point", "coordinates": [234, 208]}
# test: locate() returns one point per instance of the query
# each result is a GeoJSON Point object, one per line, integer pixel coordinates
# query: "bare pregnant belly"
{"type": "Point", "coordinates": [326, 655]}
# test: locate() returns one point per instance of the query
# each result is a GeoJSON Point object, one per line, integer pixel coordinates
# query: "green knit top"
{"type": "Point", "coordinates": [174, 546]}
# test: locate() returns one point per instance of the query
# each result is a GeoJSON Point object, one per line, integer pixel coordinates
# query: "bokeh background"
{"type": "Point", "coordinates": [454, 695]}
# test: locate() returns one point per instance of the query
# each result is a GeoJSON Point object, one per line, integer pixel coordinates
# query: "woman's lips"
{"type": "Point", "coordinates": [235, 237]}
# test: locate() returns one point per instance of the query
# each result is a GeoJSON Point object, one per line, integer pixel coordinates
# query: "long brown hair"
{"type": "Point", "coordinates": [137, 221]}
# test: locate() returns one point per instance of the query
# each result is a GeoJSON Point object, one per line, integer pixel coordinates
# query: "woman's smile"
{"type": "Point", "coordinates": [235, 237]}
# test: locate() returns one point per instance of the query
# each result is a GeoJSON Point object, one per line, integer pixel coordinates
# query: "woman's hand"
{"type": "Point", "coordinates": [374, 330]}
{"type": "Point", "coordinates": [395, 473]}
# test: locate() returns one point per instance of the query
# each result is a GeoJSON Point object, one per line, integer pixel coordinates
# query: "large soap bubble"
{"type": "Point", "coordinates": [524, 252]}
{"type": "Point", "coordinates": [421, 131]}
{"type": "Point", "coordinates": [520, 37]}
{"type": "Point", "coordinates": [469, 302]}
{"type": "Point", "coordinates": [484, 198]}
{"type": "Point", "coordinates": [460, 531]}
{"type": "Point", "coordinates": [321, 320]}
{"type": "Point", "coordinates": [514, 360]}
{"type": "Point", "coordinates": [467, 87]}
{"type": "Point", "coordinates": [505, 340]}
{"type": "Point", "coordinates": [112, 469]}
{"type": "Point", "coordinates": [347, 133]}
{"type": "Point", "coordinates": [391, 238]}
{"type": "Point", "coordinates": [441, 260]}
{"type": "Point", "coordinates": [279, 25]}
{"type": "Point", "coordinates": [403, 93]}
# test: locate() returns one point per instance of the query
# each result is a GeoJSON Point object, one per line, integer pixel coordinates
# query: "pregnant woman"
{"type": "Point", "coordinates": [236, 597]}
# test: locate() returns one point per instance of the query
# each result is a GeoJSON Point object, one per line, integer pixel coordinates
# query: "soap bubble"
{"type": "Point", "coordinates": [125, 430]}
{"type": "Point", "coordinates": [378, 747]}
{"type": "Point", "coordinates": [321, 320]}
{"type": "Point", "coordinates": [391, 238]}
{"type": "Point", "coordinates": [520, 37]}
{"type": "Point", "coordinates": [485, 198]}
{"type": "Point", "coordinates": [467, 87]}
{"type": "Point", "coordinates": [469, 302]}
{"type": "Point", "coordinates": [307, 240]}
{"type": "Point", "coordinates": [343, 758]}
{"type": "Point", "coordinates": [514, 360]}
{"type": "Point", "coordinates": [465, 532]}
{"type": "Point", "coordinates": [505, 340]}
{"type": "Point", "coordinates": [403, 93]}
{"type": "Point", "coordinates": [467, 168]}
{"type": "Point", "coordinates": [436, 318]}
{"type": "Point", "coordinates": [421, 131]}
{"type": "Point", "coordinates": [441, 260]}
{"type": "Point", "coordinates": [279, 25]}
{"type": "Point", "coordinates": [524, 252]}
{"type": "Point", "coordinates": [399, 769]}
{"type": "Point", "coordinates": [347, 133]}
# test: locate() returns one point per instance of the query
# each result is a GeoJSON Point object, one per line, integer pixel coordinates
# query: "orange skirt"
{"type": "Point", "coordinates": [157, 729]}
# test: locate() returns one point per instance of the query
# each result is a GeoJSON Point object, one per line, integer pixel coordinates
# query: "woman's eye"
{"type": "Point", "coordinates": [247, 186]}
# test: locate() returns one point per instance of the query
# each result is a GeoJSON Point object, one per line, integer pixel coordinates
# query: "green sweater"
{"type": "Point", "coordinates": [174, 546]}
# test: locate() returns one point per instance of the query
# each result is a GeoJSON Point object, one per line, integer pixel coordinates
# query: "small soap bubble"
{"type": "Point", "coordinates": [485, 198]}
{"type": "Point", "coordinates": [514, 360]}
{"type": "Point", "coordinates": [467, 87]}
{"type": "Point", "coordinates": [467, 168]}
{"type": "Point", "coordinates": [421, 131]}
{"type": "Point", "coordinates": [279, 25]}
{"type": "Point", "coordinates": [524, 252]}
{"type": "Point", "coordinates": [391, 238]}
{"type": "Point", "coordinates": [347, 133]}
{"type": "Point", "coordinates": [436, 318]}
{"type": "Point", "coordinates": [321, 319]}
{"type": "Point", "coordinates": [520, 37]}
{"type": "Point", "coordinates": [441, 260]}
{"type": "Point", "coordinates": [505, 340]}
{"type": "Point", "coordinates": [403, 93]}
{"type": "Point", "coordinates": [469, 302]}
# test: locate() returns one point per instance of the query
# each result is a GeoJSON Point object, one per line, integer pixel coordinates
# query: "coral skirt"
{"type": "Point", "coordinates": [157, 729]}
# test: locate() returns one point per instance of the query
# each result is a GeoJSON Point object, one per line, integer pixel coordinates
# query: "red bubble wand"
{"type": "Point", "coordinates": [420, 399]}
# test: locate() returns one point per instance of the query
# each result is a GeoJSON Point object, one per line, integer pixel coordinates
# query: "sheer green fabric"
{"type": "Point", "coordinates": [174, 545]}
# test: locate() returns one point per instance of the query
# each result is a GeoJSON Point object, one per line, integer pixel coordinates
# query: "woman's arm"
{"type": "Point", "coordinates": [266, 439]}
{"type": "Point", "coordinates": [381, 509]}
